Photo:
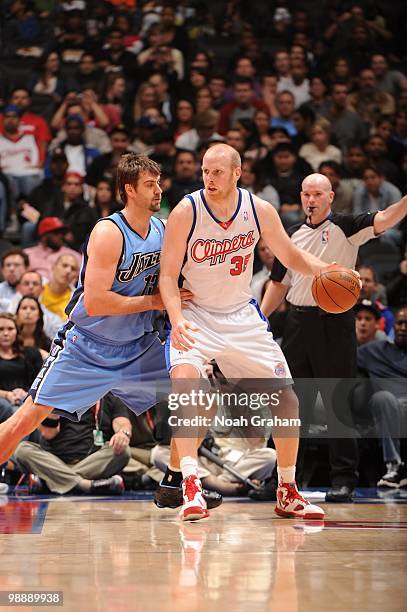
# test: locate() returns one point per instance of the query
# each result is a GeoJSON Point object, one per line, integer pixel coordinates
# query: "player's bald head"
{"type": "Point", "coordinates": [224, 153]}
{"type": "Point", "coordinates": [316, 181]}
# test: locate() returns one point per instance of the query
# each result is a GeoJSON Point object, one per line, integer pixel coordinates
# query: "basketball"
{"type": "Point", "coordinates": [336, 290]}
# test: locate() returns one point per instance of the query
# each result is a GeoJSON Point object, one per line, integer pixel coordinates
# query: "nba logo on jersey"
{"type": "Point", "coordinates": [325, 236]}
{"type": "Point", "coordinates": [279, 369]}
{"type": "Point", "coordinates": [245, 216]}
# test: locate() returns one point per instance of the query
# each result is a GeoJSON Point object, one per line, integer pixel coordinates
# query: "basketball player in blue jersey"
{"type": "Point", "coordinates": [108, 342]}
{"type": "Point", "coordinates": [210, 239]}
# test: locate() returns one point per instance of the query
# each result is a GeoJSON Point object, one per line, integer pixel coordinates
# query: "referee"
{"type": "Point", "coordinates": [317, 344]}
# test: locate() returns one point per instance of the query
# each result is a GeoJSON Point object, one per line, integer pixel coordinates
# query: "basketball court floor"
{"type": "Point", "coordinates": [123, 554]}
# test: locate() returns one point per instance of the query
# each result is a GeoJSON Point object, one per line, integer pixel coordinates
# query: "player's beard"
{"type": "Point", "coordinates": [155, 205]}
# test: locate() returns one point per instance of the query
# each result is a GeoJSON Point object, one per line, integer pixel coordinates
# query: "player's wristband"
{"type": "Point", "coordinates": [50, 423]}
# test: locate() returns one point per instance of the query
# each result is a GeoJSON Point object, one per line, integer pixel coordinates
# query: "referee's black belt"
{"type": "Point", "coordinates": [315, 310]}
{"type": "Point", "coordinates": [304, 308]}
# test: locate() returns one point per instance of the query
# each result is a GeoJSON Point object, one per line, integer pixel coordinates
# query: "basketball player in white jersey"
{"type": "Point", "coordinates": [210, 239]}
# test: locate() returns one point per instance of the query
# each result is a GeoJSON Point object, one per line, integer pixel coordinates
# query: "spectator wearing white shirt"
{"type": "Point", "coordinates": [14, 263]}
{"type": "Point", "coordinates": [19, 154]}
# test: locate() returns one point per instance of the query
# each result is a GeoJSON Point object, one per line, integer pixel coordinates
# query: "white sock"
{"type": "Point", "coordinates": [286, 474]}
{"type": "Point", "coordinates": [189, 467]}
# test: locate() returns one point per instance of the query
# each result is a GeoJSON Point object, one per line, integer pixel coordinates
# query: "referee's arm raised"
{"type": "Point", "coordinates": [385, 219]}
{"type": "Point", "coordinates": [274, 235]}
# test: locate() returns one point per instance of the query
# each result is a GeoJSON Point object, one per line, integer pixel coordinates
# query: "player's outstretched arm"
{"type": "Point", "coordinates": [273, 296]}
{"type": "Point", "coordinates": [104, 252]}
{"type": "Point", "coordinates": [276, 238]}
{"type": "Point", "coordinates": [177, 229]}
{"type": "Point", "coordinates": [385, 219]}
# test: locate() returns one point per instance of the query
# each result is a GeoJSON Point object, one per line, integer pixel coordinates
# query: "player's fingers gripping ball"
{"type": "Point", "coordinates": [336, 290]}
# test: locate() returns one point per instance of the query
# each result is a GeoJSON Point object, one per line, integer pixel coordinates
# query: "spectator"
{"type": "Point", "coordinates": [217, 86]}
{"type": "Point", "coordinates": [244, 105]}
{"type": "Point", "coordinates": [30, 123]}
{"type": "Point", "coordinates": [396, 288]}
{"type": "Point", "coordinates": [203, 100]}
{"type": "Point", "coordinates": [51, 232]}
{"type": "Point", "coordinates": [236, 139]}
{"type": "Point", "coordinates": [400, 127]}
{"type": "Point", "coordinates": [204, 130]}
{"type": "Point", "coordinates": [163, 150]}
{"type": "Point", "coordinates": [14, 263]}
{"type": "Point", "coordinates": [31, 285]}
{"type": "Point", "coordinates": [78, 153]}
{"type": "Point", "coordinates": [160, 84]}
{"type": "Point", "coordinates": [285, 172]}
{"type": "Point", "coordinates": [394, 150]}
{"type": "Point", "coordinates": [380, 360]}
{"type": "Point", "coordinates": [115, 100]}
{"type": "Point", "coordinates": [262, 123]}
{"type": "Point", "coordinates": [318, 102]}
{"type": "Point", "coordinates": [269, 91]}
{"type": "Point", "coordinates": [320, 148]}
{"type": "Point", "coordinates": [105, 166]}
{"type": "Point", "coordinates": [72, 456]}
{"type": "Point", "coordinates": [114, 53]}
{"type": "Point", "coordinates": [58, 290]}
{"type": "Point", "coordinates": [185, 177]}
{"type": "Point", "coordinates": [387, 80]}
{"type": "Point", "coordinates": [343, 189]}
{"type": "Point", "coordinates": [346, 125]}
{"type": "Point", "coordinates": [104, 201]}
{"type": "Point", "coordinates": [374, 193]}
{"type": "Point", "coordinates": [48, 82]}
{"type": "Point", "coordinates": [161, 57]}
{"type": "Point", "coordinates": [251, 180]}
{"type": "Point", "coordinates": [71, 41]}
{"type": "Point", "coordinates": [285, 105]}
{"type": "Point", "coordinates": [370, 291]}
{"type": "Point", "coordinates": [342, 72]}
{"type": "Point", "coordinates": [19, 365]}
{"type": "Point", "coordinates": [303, 118]}
{"type": "Point", "coordinates": [30, 322]}
{"type": "Point", "coordinates": [367, 317]}
{"type": "Point", "coordinates": [87, 110]}
{"type": "Point", "coordinates": [19, 154]}
{"type": "Point", "coordinates": [297, 83]}
{"type": "Point", "coordinates": [184, 113]}
{"type": "Point", "coordinates": [145, 98]}
{"type": "Point", "coordinates": [355, 162]}
{"type": "Point", "coordinates": [87, 75]}
{"type": "Point", "coordinates": [377, 153]}
{"type": "Point", "coordinates": [369, 102]}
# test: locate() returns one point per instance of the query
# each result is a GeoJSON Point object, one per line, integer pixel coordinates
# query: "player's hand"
{"type": "Point", "coordinates": [158, 304]}
{"type": "Point", "coordinates": [119, 442]}
{"type": "Point", "coordinates": [181, 337]}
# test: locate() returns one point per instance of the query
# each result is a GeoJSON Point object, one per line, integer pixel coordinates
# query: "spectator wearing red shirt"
{"type": "Point", "coordinates": [244, 105]}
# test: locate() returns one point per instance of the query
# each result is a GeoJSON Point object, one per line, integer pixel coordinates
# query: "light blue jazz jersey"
{"type": "Point", "coordinates": [136, 274]}
{"type": "Point", "coordinates": [91, 356]}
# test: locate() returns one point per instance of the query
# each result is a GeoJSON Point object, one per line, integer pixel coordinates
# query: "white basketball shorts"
{"type": "Point", "coordinates": [239, 341]}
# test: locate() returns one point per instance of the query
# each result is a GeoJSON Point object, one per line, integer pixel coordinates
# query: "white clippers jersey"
{"type": "Point", "coordinates": [219, 262]}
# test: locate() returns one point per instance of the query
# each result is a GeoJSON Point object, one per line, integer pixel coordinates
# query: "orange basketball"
{"type": "Point", "coordinates": [336, 290]}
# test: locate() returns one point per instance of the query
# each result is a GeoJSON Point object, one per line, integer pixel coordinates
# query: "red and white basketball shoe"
{"type": "Point", "coordinates": [194, 505]}
{"type": "Point", "coordinates": [290, 504]}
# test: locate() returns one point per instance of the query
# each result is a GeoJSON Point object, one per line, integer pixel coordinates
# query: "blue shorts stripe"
{"type": "Point", "coordinates": [254, 302]}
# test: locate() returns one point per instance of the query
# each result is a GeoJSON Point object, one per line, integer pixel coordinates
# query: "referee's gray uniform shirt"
{"type": "Point", "coordinates": [338, 238]}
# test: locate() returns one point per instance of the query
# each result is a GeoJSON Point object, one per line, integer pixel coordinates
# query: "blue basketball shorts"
{"type": "Point", "coordinates": [80, 370]}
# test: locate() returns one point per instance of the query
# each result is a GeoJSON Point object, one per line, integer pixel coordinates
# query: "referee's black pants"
{"type": "Point", "coordinates": [320, 345]}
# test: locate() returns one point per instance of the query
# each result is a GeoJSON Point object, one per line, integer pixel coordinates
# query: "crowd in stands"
{"type": "Point", "coordinates": [295, 87]}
